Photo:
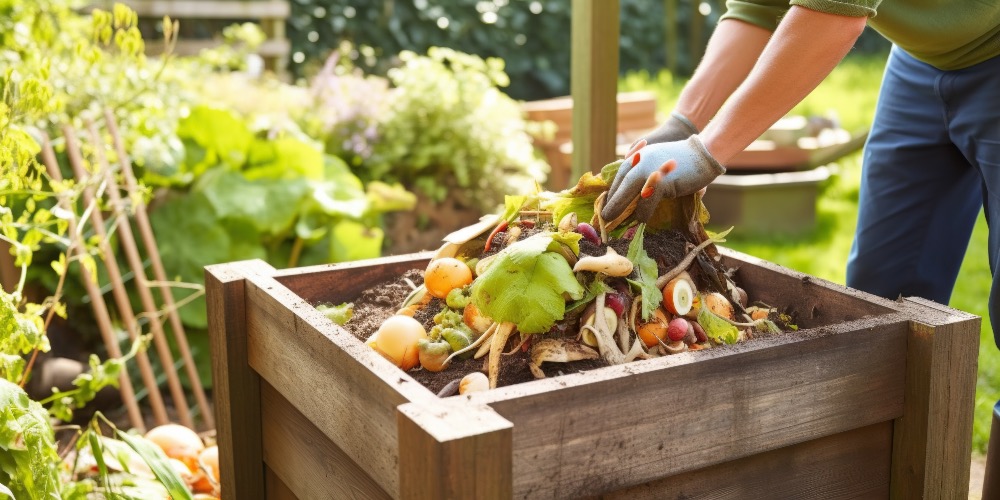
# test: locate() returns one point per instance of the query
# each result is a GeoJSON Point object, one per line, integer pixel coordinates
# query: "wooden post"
{"type": "Point", "coordinates": [696, 41]}
{"type": "Point", "coordinates": [9, 273]}
{"type": "Point", "coordinates": [454, 451]}
{"type": "Point", "coordinates": [236, 386]}
{"type": "Point", "coordinates": [594, 82]}
{"type": "Point", "coordinates": [671, 26]}
{"type": "Point", "coordinates": [931, 446]}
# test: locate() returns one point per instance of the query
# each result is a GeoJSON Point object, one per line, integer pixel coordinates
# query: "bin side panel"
{"type": "Point", "coordinates": [603, 435]}
{"type": "Point", "coordinates": [344, 282]}
{"type": "Point", "coordinates": [848, 465]}
{"type": "Point", "coordinates": [812, 302]}
{"type": "Point", "coordinates": [933, 438]}
{"type": "Point", "coordinates": [304, 459]}
{"type": "Point", "coordinates": [344, 387]}
{"type": "Point", "coordinates": [275, 488]}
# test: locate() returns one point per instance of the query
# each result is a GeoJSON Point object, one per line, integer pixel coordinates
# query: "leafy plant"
{"type": "Point", "coordinates": [266, 194]}
{"type": "Point", "coordinates": [453, 133]}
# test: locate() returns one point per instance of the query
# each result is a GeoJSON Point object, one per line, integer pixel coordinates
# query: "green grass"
{"type": "Point", "coordinates": [851, 92]}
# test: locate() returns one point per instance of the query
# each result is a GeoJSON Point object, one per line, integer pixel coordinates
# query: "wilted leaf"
{"type": "Point", "coordinates": [557, 351]}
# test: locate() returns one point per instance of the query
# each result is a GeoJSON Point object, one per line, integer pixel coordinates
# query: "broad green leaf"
{"type": "Point", "coordinates": [351, 240]}
{"type": "Point", "coordinates": [645, 268]}
{"type": "Point", "coordinates": [579, 198]}
{"type": "Point", "coordinates": [29, 462]}
{"type": "Point", "coordinates": [384, 197]}
{"type": "Point", "coordinates": [270, 204]}
{"type": "Point", "coordinates": [339, 314]}
{"type": "Point", "coordinates": [512, 207]}
{"type": "Point", "coordinates": [716, 327]}
{"type": "Point", "coordinates": [224, 137]}
{"type": "Point", "coordinates": [570, 239]}
{"type": "Point", "coordinates": [284, 158]}
{"type": "Point", "coordinates": [159, 464]}
{"type": "Point", "coordinates": [527, 285]}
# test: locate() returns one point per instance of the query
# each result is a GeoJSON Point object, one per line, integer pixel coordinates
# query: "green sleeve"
{"type": "Point", "coordinates": [767, 13]}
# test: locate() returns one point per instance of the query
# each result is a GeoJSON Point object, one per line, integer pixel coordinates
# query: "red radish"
{"type": "Point", "coordinates": [615, 301]}
{"type": "Point", "coordinates": [589, 233]}
{"type": "Point", "coordinates": [678, 329]}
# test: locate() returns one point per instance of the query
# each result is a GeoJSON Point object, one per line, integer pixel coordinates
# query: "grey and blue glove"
{"type": "Point", "coordinates": [654, 171]}
{"type": "Point", "coordinates": [676, 128]}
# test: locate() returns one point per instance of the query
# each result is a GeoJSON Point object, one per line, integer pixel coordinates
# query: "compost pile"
{"type": "Point", "coordinates": [548, 287]}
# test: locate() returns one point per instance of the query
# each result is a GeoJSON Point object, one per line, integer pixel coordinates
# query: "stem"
{"type": "Point", "coordinates": [293, 259]}
{"type": "Point", "coordinates": [689, 258]}
{"type": "Point", "coordinates": [48, 318]}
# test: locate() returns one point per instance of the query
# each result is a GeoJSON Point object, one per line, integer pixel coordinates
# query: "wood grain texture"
{"type": "Point", "coordinates": [276, 489]}
{"type": "Point", "coordinates": [932, 441]}
{"type": "Point", "coordinates": [344, 387]}
{"type": "Point", "coordinates": [449, 449]}
{"type": "Point", "coordinates": [236, 388]}
{"type": "Point", "coordinates": [615, 427]}
{"type": "Point", "coordinates": [306, 462]}
{"type": "Point", "coordinates": [812, 302]}
{"type": "Point", "coordinates": [344, 282]}
{"type": "Point", "coordinates": [594, 83]}
{"type": "Point", "coordinates": [849, 465]}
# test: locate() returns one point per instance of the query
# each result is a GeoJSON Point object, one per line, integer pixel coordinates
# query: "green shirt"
{"type": "Point", "coordinates": [947, 34]}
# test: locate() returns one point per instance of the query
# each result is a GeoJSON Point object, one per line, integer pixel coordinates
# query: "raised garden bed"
{"type": "Point", "coordinates": [871, 398]}
{"type": "Point", "coordinates": [766, 202]}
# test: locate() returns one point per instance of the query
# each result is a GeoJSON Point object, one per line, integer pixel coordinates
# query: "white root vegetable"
{"type": "Point", "coordinates": [498, 341]}
{"type": "Point", "coordinates": [606, 342]}
{"type": "Point", "coordinates": [568, 222]}
{"type": "Point", "coordinates": [557, 351]}
{"type": "Point", "coordinates": [610, 264]}
{"type": "Point", "coordinates": [689, 258]}
{"type": "Point", "coordinates": [474, 382]}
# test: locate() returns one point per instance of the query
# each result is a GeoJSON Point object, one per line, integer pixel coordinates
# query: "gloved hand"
{"type": "Point", "coordinates": [676, 128]}
{"type": "Point", "coordinates": [654, 171]}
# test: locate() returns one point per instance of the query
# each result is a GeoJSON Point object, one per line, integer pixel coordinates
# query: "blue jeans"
{"type": "Point", "coordinates": [931, 161]}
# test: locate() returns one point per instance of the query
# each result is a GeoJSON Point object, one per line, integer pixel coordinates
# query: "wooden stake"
{"type": "Point", "coordinates": [148, 304]}
{"type": "Point", "coordinates": [101, 314]}
{"type": "Point", "coordinates": [121, 298]}
{"type": "Point", "coordinates": [145, 229]}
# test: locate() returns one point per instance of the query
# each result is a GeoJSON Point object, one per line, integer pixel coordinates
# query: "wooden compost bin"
{"type": "Point", "coordinates": [871, 398]}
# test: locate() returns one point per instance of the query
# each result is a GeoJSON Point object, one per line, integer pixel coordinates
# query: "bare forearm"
{"type": "Point", "coordinates": [805, 48]}
{"type": "Point", "coordinates": [729, 57]}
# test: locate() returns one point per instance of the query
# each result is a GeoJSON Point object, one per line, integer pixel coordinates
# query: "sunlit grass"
{"type": "Point", "coordinates": [851, 92]}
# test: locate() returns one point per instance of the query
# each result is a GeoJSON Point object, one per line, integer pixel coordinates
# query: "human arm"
{"type": "Point", "coordinates": [807, 45]}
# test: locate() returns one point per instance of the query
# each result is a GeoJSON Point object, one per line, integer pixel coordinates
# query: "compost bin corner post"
{"type": "Point", "coordinates": [236, 386]}
{"type": "Point", "coordinates": [454, 450]}
{"type": "Point", "coordinates": [931, 449]}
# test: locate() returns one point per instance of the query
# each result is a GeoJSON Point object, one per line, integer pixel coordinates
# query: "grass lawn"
{"type": "Point", "coordinates": [851, 92]}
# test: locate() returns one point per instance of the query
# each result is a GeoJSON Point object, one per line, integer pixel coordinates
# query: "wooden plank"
{"type": "Point", "coordinates": [344, 387]}
{"type": "Point", "coordinates": [594, 83]}
{"type": "Point", "coordinates": [343, 282]}
{"type": "Point", "coordinates": [9, 273]}
{"type": "Point", "coordinates": [186, 47]}
{"type": "Point", "coordinates": [304, 459]}
{"type": "Point", "coordinates": [211, 9]}
{"type": "Point", "coordinates": [236, 388]}
{"type": "Point", "coordinates": [932, 441]}
{"type": "Point", "coordinates": [813, 302]}
{"type": "Point", "coordinates": [615, 427]}
{"type": "Point", "coordinates": [453, 450]}
{"type": "Point", "coordinates": [276, 488]}
{"type": "Point", "coordinates": [848, 465]}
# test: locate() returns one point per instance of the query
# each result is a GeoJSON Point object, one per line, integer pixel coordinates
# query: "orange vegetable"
{"type": "Point", "coordinates": [178, 442]}
{"type": "Point", "coordinates": [655, 330]}
{"type": "Point", "coordinates": [446, 274]}
{"type": "Point", "coordinates": [397, 340]}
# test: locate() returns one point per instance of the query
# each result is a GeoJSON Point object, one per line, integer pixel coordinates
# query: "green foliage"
{"type": "Point", "coordinates": [645, 268]}
{"type": "Point", "coordinates": [266, 194]}
{"type": "Point", "coordinates": [28, 456]}
{"type": "Point", "coordinates": [453, 133]}
{"type": "Point", "coordinates": [527, 285]}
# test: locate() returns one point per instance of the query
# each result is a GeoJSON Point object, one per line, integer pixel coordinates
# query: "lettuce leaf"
{"type": "Point", "coordinates": [527, 285]}
{"type": "Point", "coordinates": [645, 268]}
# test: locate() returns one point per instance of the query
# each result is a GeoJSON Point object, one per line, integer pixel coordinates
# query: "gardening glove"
{"type": "Point", "coordinates": [654, 171]}
{"type": "Point", "coordinates": [676, 128]}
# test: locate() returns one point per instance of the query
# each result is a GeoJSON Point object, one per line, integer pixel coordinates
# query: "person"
{"type": "Point", "coordinates": [932, 158]}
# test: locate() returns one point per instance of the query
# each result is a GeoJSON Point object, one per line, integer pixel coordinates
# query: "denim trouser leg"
{"type": "Point", "coordinates": [932, 155]}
